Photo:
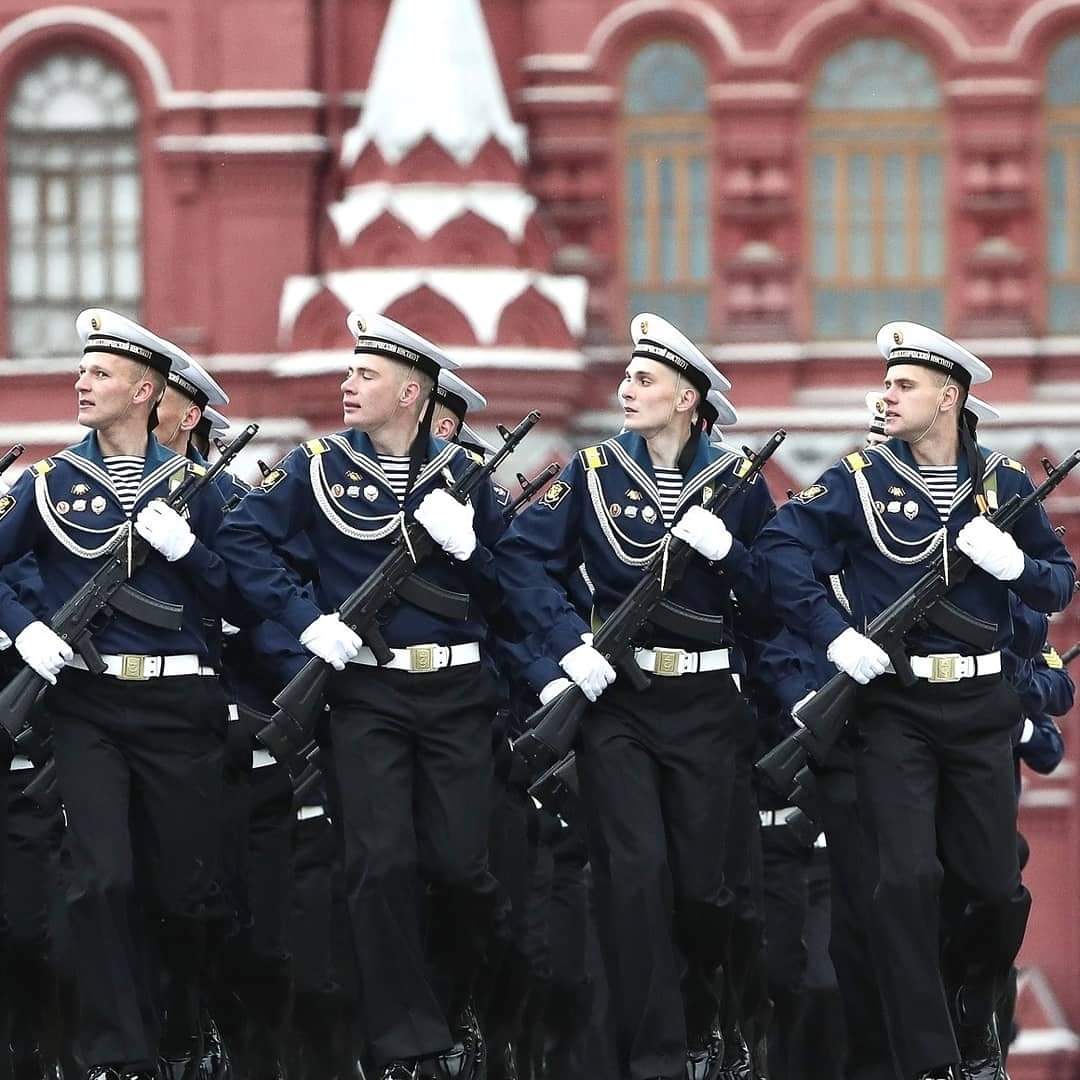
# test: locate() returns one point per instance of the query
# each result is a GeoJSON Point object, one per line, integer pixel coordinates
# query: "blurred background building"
{"type": "Point", "coordinates": [515, 178]}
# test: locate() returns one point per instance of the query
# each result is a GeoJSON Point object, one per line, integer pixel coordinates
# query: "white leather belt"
{"type": "Point", "coordinates": [307, 812]}
{"type": "Point", "coordinates": [423, 658]}
{"type": "Point", "coordinates": [769, 818]}
{"type": "Point", "coordinates": [19, 762]}
{"type": "Point", "coordinates": [261, 758]}
{"type": "Point", "coordinates": [137, 668]}
{"type": "Point", "coordinates": [952, 667]}
{"type": "Point", "coordinates": [681, 662]}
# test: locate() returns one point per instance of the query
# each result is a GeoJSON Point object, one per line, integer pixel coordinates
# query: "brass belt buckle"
{"type": "Point", "coordinates": [133, 667]}
{"type": "Point", "coordinates": [666, 661]}
{"type": "Point", "coordinates": [421, 657]}
{"type": "Point", "coordinates": [945, 668]}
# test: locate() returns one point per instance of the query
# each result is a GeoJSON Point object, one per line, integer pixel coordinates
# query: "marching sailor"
{"type": "Point", "coordinates": [409, 742]}
{"type": "Point", "coordinates": [656, 766]}
{"type": "Point", "coordinates": [934, 776]}
{"type": "Point", "coordinates": [137, 748]}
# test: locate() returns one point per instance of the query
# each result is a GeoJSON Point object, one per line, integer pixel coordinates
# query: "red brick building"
{"type": "Point", "coordinates": [516, 177]}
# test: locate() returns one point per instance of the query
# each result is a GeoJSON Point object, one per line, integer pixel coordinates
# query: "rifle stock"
{"type": "Point", "coordinates": [552, 729]}
{"type": "Point", "coordinates": [824, 716]}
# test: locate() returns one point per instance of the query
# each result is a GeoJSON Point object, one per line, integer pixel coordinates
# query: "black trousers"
{"type": "Point", "coordinates": [412, 759]}
{"type": "Point", "coordinates": [139, 768]}
{"type": "Point", "coordinates": [935, 779]}
{"type": "Point", "coordinates": [853, 876]}
{"type": "Point", "coordinates": [657, 771]}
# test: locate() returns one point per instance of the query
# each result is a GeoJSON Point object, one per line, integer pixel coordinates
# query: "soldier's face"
{"type": "Point", "coordinates": [105, 388]}
{"type": "Point", "coordinates": [913, 397]}
{"type": "Point", "coordinates": [177, 415]}
{"type": "Point", "coordinates": [370, 392]}
{"type": "Point", "coordinates": [647, 395]}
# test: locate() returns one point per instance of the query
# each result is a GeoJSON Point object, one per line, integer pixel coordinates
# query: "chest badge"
{"type": "Point", "coordinates": [78, 505]}
{"type": "Point", "coordinates": [80, 489]}
{"type": "Point", "coordinates": [352, 474]}
{"type": "Point", "coordinates": [894, 507]}
{"type": "Point", "coordinates": [614, 510]}
{"type": "Point", "coordinates": [899, 492]}
{"type": "Point", "coordinates": [371, 492]}
{"type": "Point", "coordinates": [97, 504]}
{"type": "Point", "coordinates": [353, 491]}
{"type": "Point", "coordinates": [337, 491]}
{"type": "Point", "coordinates": [633, 494]}
{"type": "Point", "coordinates": [648, 514]}
{"type": "Point", "coordinates": [63, 506]}
{"type": "Point", "coordinates": [631, 511]}
{"type": "Point", "coordinates": [911, 509]}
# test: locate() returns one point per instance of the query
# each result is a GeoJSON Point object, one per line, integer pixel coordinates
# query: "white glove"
{"type": "Point", "coordinates": [1027, 731]}
{"type": "Point", "coordinates": [554, 689]}
{"type": "Point", "coordinates": [798, 705]}
{"type": "Point", "coordinates": [448, 522]}
{"type": "Point", "coordinates": [165, 530]}
{"type": "Point", "coordinates": [43, 650]}
{"type": "Point", "coordinates": [704, 532]}
{"type": "Point", "coordinates": [991, 549]}
{"type": "Point", "coordinates": [331, 640]}
{"type": "Point", "coordinates": [588, 669]}
{"type": "Point", "coordinates": [228, 629]}
{"type": "Point", "coordinates": [857, 656]}
{"type": "Point", "coordinates": [5, 641]}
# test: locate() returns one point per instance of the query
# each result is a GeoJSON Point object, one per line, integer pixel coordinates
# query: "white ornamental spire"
{"type": "Point", "coordinates": [434, 75]}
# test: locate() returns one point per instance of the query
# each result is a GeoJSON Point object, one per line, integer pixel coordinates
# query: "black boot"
{"type": "Point", "coordinates": [467, 1058]}
{"type": "Point", "coordinates": [705, 1058]}
{"type": "Point", "coordinates": [400, 1070]}
{"type": "Point", "coordinates": [736, 1060]}
{"type": "Point", "coordinates": [981, 1055]}
{"type": "Point", "coordinates": [215, 1063]}
{"type": "Point", "coordinates": [942, 1072]}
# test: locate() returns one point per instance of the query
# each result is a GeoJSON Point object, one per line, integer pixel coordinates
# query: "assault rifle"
{"type": "Point", "coordinates": [553, 728]}
{"type": "Point", "coordinates": [1070, 654]}
{"type": "Point", "coordinates": [108, 591]}
{"type": "Point", "coordinates": [825, 715]}
{"type": "Point", "coordinates": [11, 457]}
{"type": "Point", "coordinates": [301, 700]}
{"type": "Point", "coordinates": [530, 487]}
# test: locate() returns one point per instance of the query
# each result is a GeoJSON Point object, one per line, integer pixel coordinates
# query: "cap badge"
{"type": "Point", "coordinates": [361, 326]}
{"type": "Point", "coordinates": [95, 323]}
{"type": "Point", "coordinates": [644, 324]}
{"type": "Point", "coordinates": [898, 337]}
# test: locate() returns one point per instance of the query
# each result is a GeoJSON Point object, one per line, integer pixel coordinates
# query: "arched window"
{"type": "Point", "coordinates": [74, 200]}
{"type": "Point", "coordinates": [1063, 186]}
{"type": "Point", "coordinates": [877, 247]}
{"type": "Point", "coordinates": [666, 153]}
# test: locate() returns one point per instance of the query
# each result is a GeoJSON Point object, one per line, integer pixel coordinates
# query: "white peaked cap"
{"type": "Point", "coordinates": [101, 330]}
{"type": "Point", "coordinates": [656, 339]}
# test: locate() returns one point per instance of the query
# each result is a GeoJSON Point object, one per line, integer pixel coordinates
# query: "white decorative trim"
{"type": "Point", "coordinates": [94, 18]}
{"type": "Point", "coordinates": [244, 144]}
{"type": "Point", "coordinates": [245, 99]}
{"type": "Point", "coordinates": [481, 294]}
{"type": "Point", "coordinates": [574, 62]}
{"type": "Point", "coordinates": [1030, 18]}
{"type": "Point", "coordinates": [755, 91]}
{"type": "Point", "coordinates": [716, 23]}
{"type": "Point", "coordinates": [565, 95]}
{"type": "Point", "coordinates": [1002, 86]}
